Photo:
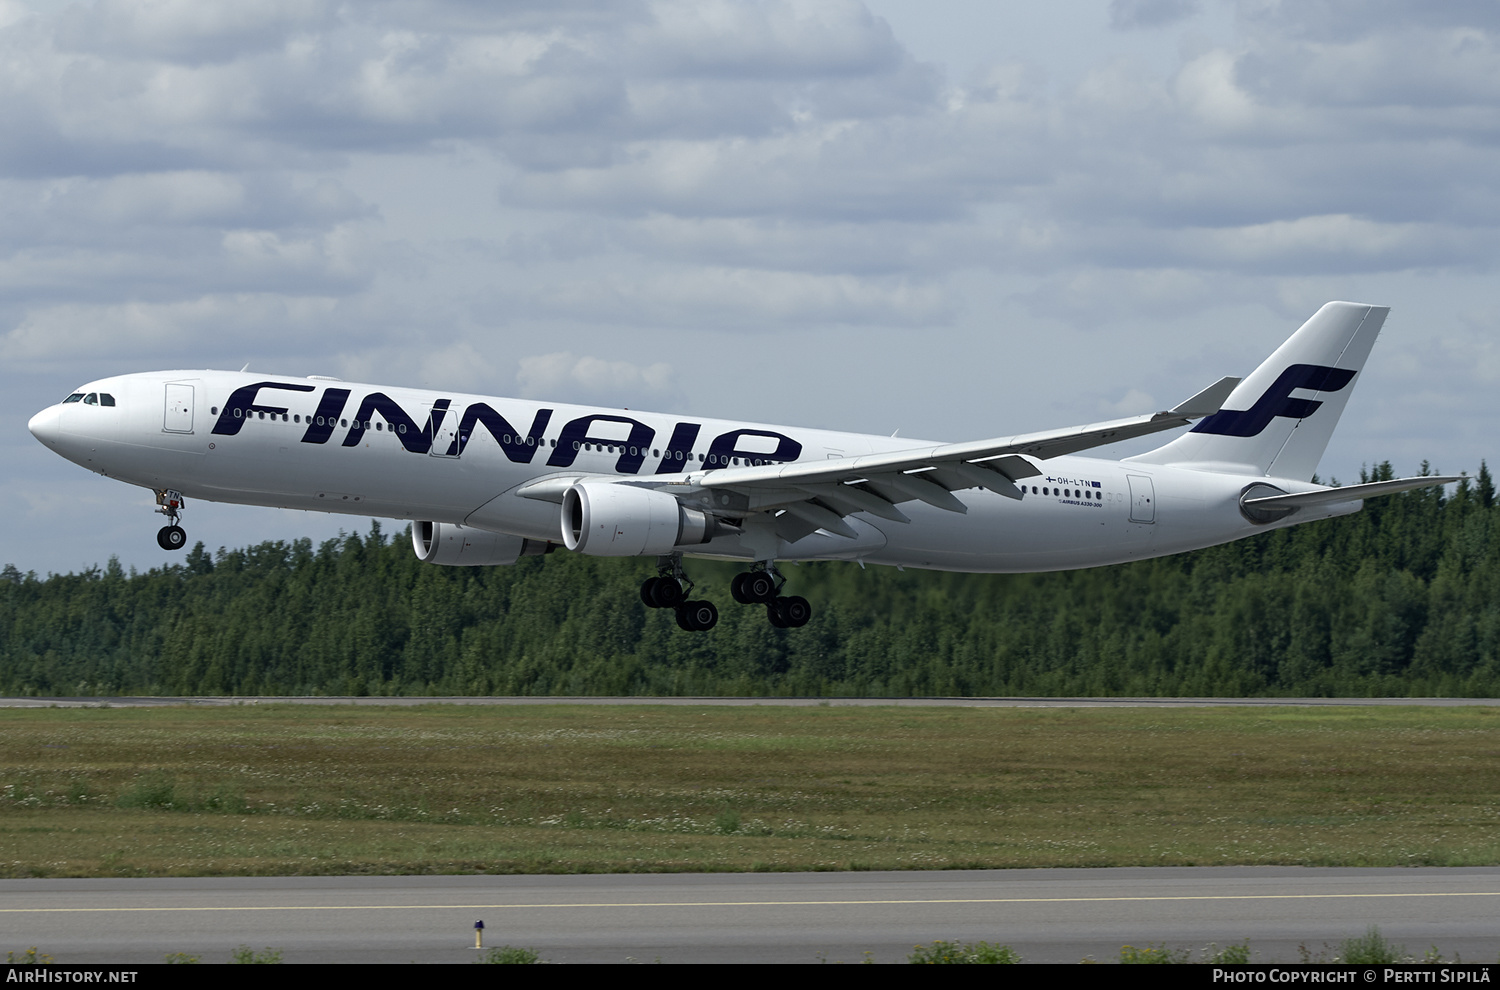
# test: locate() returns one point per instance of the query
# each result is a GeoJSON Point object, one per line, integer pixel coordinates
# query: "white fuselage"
{"type": "Point", "coordinates": [453, 458]}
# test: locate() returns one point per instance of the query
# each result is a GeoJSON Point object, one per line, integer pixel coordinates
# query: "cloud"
{"type": "Point", "coordinates": [746, 300]}
{"type": "Point", "coordinates": [162, 329]}
{"type": "Point", "coordinates": [1127, 14]}
{"type": "Point", "coordinates": [187, 32]}
{"type": "Point", "coordinates": [591, 380]}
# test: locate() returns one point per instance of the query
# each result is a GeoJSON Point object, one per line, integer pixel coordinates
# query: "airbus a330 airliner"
{"type": "Point", "coordinates": [486, 481]}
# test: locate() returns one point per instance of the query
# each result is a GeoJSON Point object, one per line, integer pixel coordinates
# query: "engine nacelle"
{"type": "Point", "coordinates": [459, 546]}
{"type": "Point", "coordinates": [608, 520]}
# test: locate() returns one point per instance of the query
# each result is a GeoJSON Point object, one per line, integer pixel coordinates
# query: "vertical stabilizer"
{"type": "Point", "coordinates": [1278, 420]}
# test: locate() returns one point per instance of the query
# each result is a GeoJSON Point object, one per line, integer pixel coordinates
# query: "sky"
{"type": "Point", "coordinates": [954, 219]}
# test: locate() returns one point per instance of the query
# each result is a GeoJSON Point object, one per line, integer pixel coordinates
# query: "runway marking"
{"type": "Point", "coordinates": [703, 904]}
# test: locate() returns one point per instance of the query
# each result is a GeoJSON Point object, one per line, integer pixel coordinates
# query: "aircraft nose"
{"type": "Point", "coordinates": [46, 426]}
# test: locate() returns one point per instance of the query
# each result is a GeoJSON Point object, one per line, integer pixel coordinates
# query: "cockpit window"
{"type": "Point", "coordinates": [75, 397]}
{"type": "Point", "coordinates": [105, 399]}
{"type": "Point", "coordinates": [92, 399]}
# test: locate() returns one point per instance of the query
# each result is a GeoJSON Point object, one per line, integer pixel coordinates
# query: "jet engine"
{"type": "Point", "coordinates": [458, 546]}
{"type": "Point", "coordinates": [609, 520]}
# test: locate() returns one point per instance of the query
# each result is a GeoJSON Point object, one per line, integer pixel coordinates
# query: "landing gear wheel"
{"type": "Point", "coordinates": [648, 592]}
{"type": "Point", "coordinates": [171, 537]}
{"type": "Point", "coordinates": [666, 592]}
{"type": "Point", "coordinates": [789, 613]}
{"type": "Point", "coordinates": [795, 610]}
{"type": "Point", "coordinates": [753, 588]}
{"type": "Point", "coordinates": [761, 587]}
{"type": "Point", "coordinates": [697, 616]}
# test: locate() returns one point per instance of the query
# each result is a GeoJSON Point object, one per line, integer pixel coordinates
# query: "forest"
{"type": "Point", "coordinates": [1401, 599]}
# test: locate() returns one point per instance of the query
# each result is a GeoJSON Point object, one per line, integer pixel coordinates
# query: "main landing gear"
{"type": "Point", "coordinates": [761, 586]}
{"type": "Point", "coordinates": [169, 504]}
{"type": "Point", "coordinates": [666, 591]}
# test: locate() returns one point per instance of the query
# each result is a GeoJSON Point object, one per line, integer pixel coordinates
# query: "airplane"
{"type": "Point", "coordinates": [486, 481]}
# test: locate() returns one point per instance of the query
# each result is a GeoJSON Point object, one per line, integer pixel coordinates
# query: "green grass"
{"type": "Point", "coordinates": [284, 789]}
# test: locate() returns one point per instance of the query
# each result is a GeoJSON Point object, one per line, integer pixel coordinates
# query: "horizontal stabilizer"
{"type": "Point", "coordinates": [1332, 496]}
{"type": "Point", "coordinates": [1208, 401]}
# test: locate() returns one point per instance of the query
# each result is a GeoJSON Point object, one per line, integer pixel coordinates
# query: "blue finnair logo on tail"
{"type": "Point", "coordinates": [1277, 401]}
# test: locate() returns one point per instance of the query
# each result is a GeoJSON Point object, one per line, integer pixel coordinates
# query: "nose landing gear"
{"type": "Point", "coordinates": [170, 503]}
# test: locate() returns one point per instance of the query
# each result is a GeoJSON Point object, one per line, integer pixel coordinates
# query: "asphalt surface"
{"type": "Point", "coordinates": [1047, 915]}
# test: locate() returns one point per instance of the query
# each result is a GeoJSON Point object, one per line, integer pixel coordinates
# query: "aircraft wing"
{"type": "Point", "coordinates": [817, 495]}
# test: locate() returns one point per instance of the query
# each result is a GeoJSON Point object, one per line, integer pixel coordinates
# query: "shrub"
{"type": "Point", "coordinates": [244, 954]}
{"type": "Point", "coordinates": [1230, 955]}
{"type": "Point", "coordinates": [510, 955]}
{"type": "Point", "coordinates": [957, 952]}
{"type": "Point", "coordinates": [1153, 954]}
{"type": "Point", "coordinates": [1371, 948]}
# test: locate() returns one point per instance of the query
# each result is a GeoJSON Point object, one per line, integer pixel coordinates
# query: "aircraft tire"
{"type": "Point", "coordinates": [697, 616]}
{"type": "Point", "coordinates": [759, 586]}
{"type": "Point", "coordinates": [667, 592]}
{"type": "Point", "coordinates": [171, 538]}
{"type": "Point", "coordinates": [795, 610]}
{"type": "Point", "coordinates": [648, 593]}
{"type": "Point", "coordinates": [737, 589]}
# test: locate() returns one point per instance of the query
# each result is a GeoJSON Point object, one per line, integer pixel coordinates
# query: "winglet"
{"type": "Point", "coordinates": [1208, 401]}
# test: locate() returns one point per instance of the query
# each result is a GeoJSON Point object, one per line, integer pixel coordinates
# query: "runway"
{"type": "Point", "coordinates": [1047, 915]}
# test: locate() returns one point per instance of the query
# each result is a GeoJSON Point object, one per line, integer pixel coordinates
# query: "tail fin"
{"type": "Point", "coordinates": [1264, 429]}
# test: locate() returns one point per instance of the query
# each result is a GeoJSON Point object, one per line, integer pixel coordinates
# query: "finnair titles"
{"type": "Point", "coordinates": [485, 481]}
